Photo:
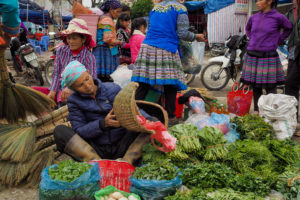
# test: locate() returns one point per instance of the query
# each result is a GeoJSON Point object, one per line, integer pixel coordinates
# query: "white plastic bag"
{"type": "Point", "coordinates": [280, 111]}
{"type": "Point", "coordinates": [122, 76]}
{"type": "Point", "coordinates": [198, 51]}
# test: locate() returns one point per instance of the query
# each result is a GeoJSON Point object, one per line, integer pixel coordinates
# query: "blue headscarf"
{"type": "Point", "coordinates": [71, 73]}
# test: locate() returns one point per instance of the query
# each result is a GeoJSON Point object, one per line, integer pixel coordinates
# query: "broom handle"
{"type": "Point", "coordinates": [51, 115]}
{"type": "Point", "coordinates": [3, 68]}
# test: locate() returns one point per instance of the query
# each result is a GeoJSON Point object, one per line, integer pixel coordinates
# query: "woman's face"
{"type": "Point", "coordinates": [84, 84]}
{"type": "Point", "coordinates": [115, 13]}
{"type": "Point", "coordinates": [125, 24]}
{"type": "Point", "coordinates": [263, 4]}
{"type": "Point", "coordinates": [75, 41]}
{"type": "Point", "coordinates": [143, 29]}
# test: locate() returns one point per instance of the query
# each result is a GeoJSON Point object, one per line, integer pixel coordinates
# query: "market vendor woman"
{"type": "Point", "coordinates": [99, 135]}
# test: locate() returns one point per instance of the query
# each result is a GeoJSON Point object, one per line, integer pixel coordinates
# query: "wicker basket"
{"type": "Point", "coordinates": [126, 110]}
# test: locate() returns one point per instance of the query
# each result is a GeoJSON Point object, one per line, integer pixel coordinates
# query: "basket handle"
{"type": "Point", "coordinates": [235, 87]}
{"type": "Point", "coordinates": [248, 89]}
{"type": "Point", "coordinates": [157, 147]}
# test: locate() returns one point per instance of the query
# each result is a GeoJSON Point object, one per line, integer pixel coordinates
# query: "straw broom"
{"type": "Point", "coordinates": [17, 141]}
{"type": "Point", "coordinates": [16, 100]}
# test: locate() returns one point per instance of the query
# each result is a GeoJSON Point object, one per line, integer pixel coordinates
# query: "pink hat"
{"type": "Point", "coordinates": [79, 26]}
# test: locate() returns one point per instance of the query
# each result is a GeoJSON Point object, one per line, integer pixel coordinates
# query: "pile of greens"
{"type": "Point", "coordinates": [253, 127]}
{"type": "Point", "coordinates": [157, 170]}
{"type": "Point", "coordinates": [207, 175]}
{"type": "Point", "coordinates": [229, 194]}
{"type": "Point", "coordinates": [150, 154]}
{"type": "Point", "coordinates": [68, 170]}
{"type": "Point", "coordinates": [289, 183]}
{"type": "Point", "coordinates": [251, 156]}
{"type": "Point", "coordinates": [195, 194]}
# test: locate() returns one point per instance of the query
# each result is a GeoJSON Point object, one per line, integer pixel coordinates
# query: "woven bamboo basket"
{"type": "Point", "coordinates": [126, 109]}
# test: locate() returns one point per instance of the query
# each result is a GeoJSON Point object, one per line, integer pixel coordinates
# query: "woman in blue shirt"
{"type": "Point", "coordinates": [158, 61]}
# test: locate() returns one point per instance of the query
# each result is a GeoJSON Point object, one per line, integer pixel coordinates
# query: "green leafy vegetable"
{"type": "Point", "coordinates": [150, 154]}
{"type": "Point", "coordinates": [68, 170]}
{"type": "Point", "coordinates": [251, 156]}
{"type": "Point", "coordinates": [195, 194]}
{"type": "Point", "coordinates": [253, 127]}
{"type": "Point", "coordinates": [207, 175]}
{"type": "Point", "coordinates": [229, 194]}
{"type": "Point", "coordinates": [157, 170]}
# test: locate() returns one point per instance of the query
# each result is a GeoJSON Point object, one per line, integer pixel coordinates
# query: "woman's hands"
{"type": "Point", "coordinates": [65, 94]}
{"type": "Point", "coordinates": [110, 120]}
{"type": "Point", "coordinates": [200, 37]}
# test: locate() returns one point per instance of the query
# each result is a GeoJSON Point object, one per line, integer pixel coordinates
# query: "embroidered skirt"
{"type": "Point", "coordinates": [156, 66]}
{"type": "Point", "coordinates": [262, 72]}
{"type": "Point", "coordinates": [106, 63]}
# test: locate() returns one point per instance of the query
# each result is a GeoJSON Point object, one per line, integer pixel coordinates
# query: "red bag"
{"type": "Point", "coordinates": [161, 135]}
{"type": "Point", "coordinates": [239, 101]}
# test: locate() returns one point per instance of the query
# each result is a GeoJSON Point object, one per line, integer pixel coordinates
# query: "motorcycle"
{"type": "Point", "coordinates": [220, 69]}
{"type": "Point", "coordinates": [25, 59]}
{"type": "Point", "coordinates": [49, 68]}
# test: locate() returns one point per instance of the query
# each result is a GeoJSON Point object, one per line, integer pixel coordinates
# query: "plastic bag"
{"type": "Point", "coordinates": [161, 135]}
{"type": "Point", "coordinates": [190, 58]}
{"type": "Point", "coordinates": [280, 111]}
{"type": "Point", "coordinates": [155, 189]}
{"type": "Point", "coordinates": [195, 118]}
{"type": "Point", "coordinates": [239, 101]}
{"type": "Point", "coordinates": [232, 135]}
{"type": "Point", "coordinates": [122, 76]}
{"type": "Point", "coordinates": [110, 189]}
{"type": "Point", "coordinates": [83, 187]}
{"type": "Point", "coordinates": [197, 104]}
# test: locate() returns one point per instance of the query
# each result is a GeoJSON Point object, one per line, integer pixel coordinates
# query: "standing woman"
{"type": "Point", "coordinates": [262, 67]}
{"type": "Point", "coordinates": [158, 61]}
{"type": "Point", "coordinates": [106, 52]}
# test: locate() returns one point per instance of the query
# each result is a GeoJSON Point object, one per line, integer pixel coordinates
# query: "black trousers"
{"type": "Point", "coordinates": [62, 135]}
{"type": "Point", "coordinates": [292, 82]}
{"type": "Point", "coordinates": [170, 97]}
{"type": "Point", "coordinates": [257, 92]}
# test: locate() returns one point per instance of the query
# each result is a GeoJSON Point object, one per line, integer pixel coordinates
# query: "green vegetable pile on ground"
{"type": "Point", "coordinates": [251, 156]}
{"type": "Point", "coordinates": [229, 194]}
{"type": "Point", "coordinates": [289, 183]}
{"type": "Point", "coordinates": [207, 175]}
{"type": "Point", "coordinates": [253, 127]}
{"type": "Point", "coordinates": [157, 170]}
{"type": "Point", "coordinates": [195, 194]}
{"type": "Point", "coordinates": [68, 170]}
{"type": "Point", "coordinates": [150, 154]}
{"type": "Point", "coordinates": [214, 142]}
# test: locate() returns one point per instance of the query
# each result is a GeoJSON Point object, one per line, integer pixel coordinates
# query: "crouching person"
{"type": "Point", "coordinates": [95, 133]}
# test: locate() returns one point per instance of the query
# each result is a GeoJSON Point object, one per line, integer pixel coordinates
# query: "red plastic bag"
{"type": "Point", "coordinates": [239, 101]}
{"type": "Point", "coordinates": [161, 135]}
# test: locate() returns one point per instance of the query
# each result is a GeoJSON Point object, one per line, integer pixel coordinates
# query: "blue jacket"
{"type": "Point", "coordinates": [87, 114]}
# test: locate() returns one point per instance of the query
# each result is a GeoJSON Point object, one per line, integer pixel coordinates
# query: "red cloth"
{"type": "Point", "coordinates": [76, 52]}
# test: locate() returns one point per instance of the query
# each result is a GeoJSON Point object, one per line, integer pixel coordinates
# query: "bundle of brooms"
{"type": "Point", "coordinates": [25, 150]}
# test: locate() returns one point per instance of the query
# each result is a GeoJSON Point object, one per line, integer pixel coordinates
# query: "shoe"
{"type": "Point", "coordinates": [173, 121]}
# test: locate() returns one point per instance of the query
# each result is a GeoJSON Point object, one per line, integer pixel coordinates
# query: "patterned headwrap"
{"type": "Point", "coordinates": [71, 73]}
{"type": "Point", "coordinates": [110, 4]}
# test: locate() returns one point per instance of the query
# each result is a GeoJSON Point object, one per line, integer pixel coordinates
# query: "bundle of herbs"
{"type": "Point", "coordinates": [214, 142]}
{"type": "Point", "coordinates": [207, 175]}
{"type": "Point", "coordinates": [229, 194]}
{"type": "Point", "coordinates": [150, 154]}
{"type": "Point", "coordinates": [251, 156]}
{"type": "Point", "coordinates": [157, 170]}
{"type": "Point", "coordinates": [195, 194]}
{"type": "Point", "coordinates": [287, 152]}
{"type": "Point", "coordinates": [253, 127]}
{"type": "Point", "coordinates": [68, 170]}
{"type": "Point", "coordinates": [289, 183]}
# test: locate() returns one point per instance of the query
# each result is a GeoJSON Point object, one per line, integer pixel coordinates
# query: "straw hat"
{"type": "Point", "coordinates": [79, 26]}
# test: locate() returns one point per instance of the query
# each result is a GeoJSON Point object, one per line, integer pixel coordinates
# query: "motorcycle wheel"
{"type": "Point", "coordinates": [38, 76]}
{"type": "Point", "coordinates": [214, 77]}
{"type": "Point", "coordinates": [189, 78]}
{"type": "Point", "coordinates": [49, 68]}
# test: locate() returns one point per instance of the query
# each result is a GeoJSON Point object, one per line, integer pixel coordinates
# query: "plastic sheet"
{"type": "Point", "coordinates": [83, 187]}
{"type": "Point", "coordinates": [154, 189]}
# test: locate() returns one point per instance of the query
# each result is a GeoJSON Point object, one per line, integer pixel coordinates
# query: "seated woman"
{"type": "Point", "coordinates": [78, 41]}
{"type": "Point", "coordinates": [96, 133]}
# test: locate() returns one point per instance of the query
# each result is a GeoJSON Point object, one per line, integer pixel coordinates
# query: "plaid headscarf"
{"type": "Point", "coordinates": [71, 73]}
{"type": "Point", "coordinates": [110, 4]}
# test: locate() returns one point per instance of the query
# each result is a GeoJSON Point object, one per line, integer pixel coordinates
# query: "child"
{"type": "Point", "coordinates": [138, 30]}
{"type": "Point", "coordinates": [262, 67]}
{"type": "Point", "coordinates": [122, 28]}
